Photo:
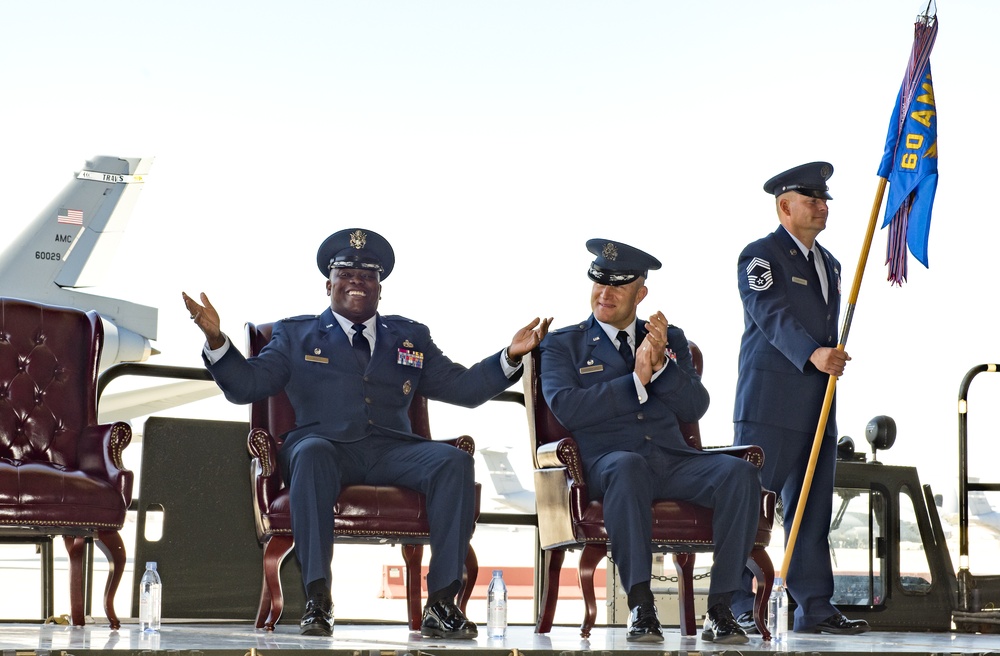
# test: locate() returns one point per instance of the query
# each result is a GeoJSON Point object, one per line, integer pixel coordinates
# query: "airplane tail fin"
{"type": "Point", "coordinates": [70, 245]}
{"type": "Point", "coordinates": [501, 472]}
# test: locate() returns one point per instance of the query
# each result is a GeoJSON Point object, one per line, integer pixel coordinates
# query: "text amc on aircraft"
{"type": "Point", "coordinates": [69, 246]}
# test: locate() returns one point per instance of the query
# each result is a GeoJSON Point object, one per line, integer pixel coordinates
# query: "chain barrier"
{"type": "Point", "coordinates": [671, 579]}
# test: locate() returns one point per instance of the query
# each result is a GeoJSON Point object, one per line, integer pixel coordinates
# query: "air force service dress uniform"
{"type": "Point", "coordinates": [340, 399]}
{"type": "Point", "coordinates": [634, 452]}
{"type": "Point", "coordinates": [779, 393]}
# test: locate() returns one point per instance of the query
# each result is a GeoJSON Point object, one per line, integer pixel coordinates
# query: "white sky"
{"type": "Point", "coordinates": [489, 140]}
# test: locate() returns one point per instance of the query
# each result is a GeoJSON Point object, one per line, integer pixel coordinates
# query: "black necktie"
{"type": "Point", "coordinates": [360, 342]}
{"type": "Point", "coordinates": [625, 349]}
{"type": "Point", "coordinates": [813, 273]}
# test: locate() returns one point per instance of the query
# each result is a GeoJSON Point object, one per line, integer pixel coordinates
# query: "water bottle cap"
{"type": "Point", "coordinates": [498, 572]}
{"type": "Point", "coordinates": [777, 580]}
{"type": "Point", "coordinates": [151, 565]}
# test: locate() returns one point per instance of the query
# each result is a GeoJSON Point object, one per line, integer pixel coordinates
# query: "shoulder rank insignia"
{"type": "Point", "coordinates": [759, 275]}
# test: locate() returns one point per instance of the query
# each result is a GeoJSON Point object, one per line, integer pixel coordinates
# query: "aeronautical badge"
{"type": "Point", "coordinates": [409, 358]}
{"type": "Point", "coordinates": [407, 343]}
{"type": "Point", "coordinates": [407, 387]}
{"type": "Point", "coordinates": [759, 274]}
{"type": "Point", "coordinates": [358, 239]}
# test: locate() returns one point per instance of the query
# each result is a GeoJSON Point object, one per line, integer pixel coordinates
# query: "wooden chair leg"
{"type": "Point", "coordinates": [552, 566]}
{"type": "Point", "coordinates": [275, 550]}
{"type": "Point", "coordinates": [413, 555]}
{"type": "Point", "coordinates": [763, 571]}
{"type": "Point", "coordinates": [264, 608]}
{"type": "Point", "coordinates": [471, 576]}
{"type": "Point", "coordinates": [684, 564]}
{"type": "Point", "coordinates": [590, 558]}
{"type": "Point", "coordinates": [75, 547]}
{"type": "Point", "coordinates": [111, 545]}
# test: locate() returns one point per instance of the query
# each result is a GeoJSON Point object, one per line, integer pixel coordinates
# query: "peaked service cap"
{"type": "Point", "coordinates": [356, 248]}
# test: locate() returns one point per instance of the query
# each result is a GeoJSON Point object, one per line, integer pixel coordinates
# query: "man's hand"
{"type": "Point", "coordinates": [830, 360]}
{"type": "Point", "coordinates": [651, 356]}
{"type": "Point", "coordinates": [528, 338]}
{"type": "Point", "coordinates": [206, 318]}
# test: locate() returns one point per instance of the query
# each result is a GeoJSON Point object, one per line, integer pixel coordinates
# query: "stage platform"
{"type": "Point", "coordinates": [241, 639]}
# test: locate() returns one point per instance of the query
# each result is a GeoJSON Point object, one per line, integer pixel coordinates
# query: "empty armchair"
{"type": "Point", "coordinates": [61, 472]}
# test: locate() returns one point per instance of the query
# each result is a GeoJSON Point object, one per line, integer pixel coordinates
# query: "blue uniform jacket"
{"type": "Point", "coordinates": [591, 392]}
{"type": "Point", "coordinates": [785, 319]}
{"type": "Point", "coordinates": [311, 358]}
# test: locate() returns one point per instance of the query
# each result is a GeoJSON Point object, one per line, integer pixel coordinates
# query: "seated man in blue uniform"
{"type": "Point", "coordinates": [790, 287]}
{"type": "Point", "coordinates": [350, 374]}
{"type": "Point", "coordinates": [622, 386]}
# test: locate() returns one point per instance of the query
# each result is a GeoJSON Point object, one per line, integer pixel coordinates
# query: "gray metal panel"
{"type": "Point", "coordinates": [208, 556]}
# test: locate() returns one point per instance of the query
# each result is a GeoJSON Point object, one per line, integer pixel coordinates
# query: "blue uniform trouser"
{"type": "Point", "coordinates": [629, 482]}
{"type": "Point", "coordinates": [809, 579]}
{"type": "Point", "coordinates": [316, 469]}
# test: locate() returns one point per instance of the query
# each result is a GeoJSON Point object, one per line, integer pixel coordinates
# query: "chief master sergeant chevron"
{"type": "Point", "coordinates": [350, 375]}
{"type": "Point", "coordinates": [790, 286]}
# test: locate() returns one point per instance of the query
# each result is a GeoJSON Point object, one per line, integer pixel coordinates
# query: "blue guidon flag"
{"type": "Point", "coordinates": [910, 161]}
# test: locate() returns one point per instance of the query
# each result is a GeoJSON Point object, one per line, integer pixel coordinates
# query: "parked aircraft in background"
{"type": "Point", "coordinates": [68, 247]}
{"type": "Point", "coordinates": [508, 486]}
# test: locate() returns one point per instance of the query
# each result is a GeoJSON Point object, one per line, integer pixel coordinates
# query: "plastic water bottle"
{"type": "Point", "coordinates": [150, 591]}
{"type": "Point", "coordinates": [777, 612]}
{"type": "Point", "coordinates": [496, 610]}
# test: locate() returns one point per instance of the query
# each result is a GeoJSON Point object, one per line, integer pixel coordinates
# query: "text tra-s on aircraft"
{"type": "Point", "coordinates": [70, 245]}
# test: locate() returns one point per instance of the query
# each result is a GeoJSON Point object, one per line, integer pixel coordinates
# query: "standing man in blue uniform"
{"type": "Point", "coordinates": [622, 386]}
{"type": "Point", "coordinates": [790, 286]}
{"type": "Point", "coordinates": [350, 375]}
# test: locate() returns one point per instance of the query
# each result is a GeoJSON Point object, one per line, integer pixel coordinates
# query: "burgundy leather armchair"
{"type": "Point", "coordinates": [61, 472]}
{"type": "Point", "coordinates": [568, 520]}
{"type": "Point", "coordinates": [363, 514]}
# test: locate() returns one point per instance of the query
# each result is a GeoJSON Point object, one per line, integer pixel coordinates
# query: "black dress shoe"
{"type": "Point", "coordinates": [318, 618]}
{"type": "Point", "coordinates": [840, 625]}
{"type": "Point", "coordinates": [443, 619]}
{"type": "Point", "coordinates": [721, 627]}
{"type": "Point", "coordinates": [746, 622]}
{"type": "Point", "coordinates": [644, 625]}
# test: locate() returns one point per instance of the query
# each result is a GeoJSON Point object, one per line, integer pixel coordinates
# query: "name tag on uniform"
{"type": "Point", "coordinates": [800, 281]}
{"type": "Point", "coordinates": [592, 369]}
{"type": "Point", "coordinates": [317, 358]}
{"type": "Point", "coordinates": [409, 358]}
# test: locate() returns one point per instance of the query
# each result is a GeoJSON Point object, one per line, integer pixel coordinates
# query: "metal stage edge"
{"type": "Point", "coordinates": [360, 639]}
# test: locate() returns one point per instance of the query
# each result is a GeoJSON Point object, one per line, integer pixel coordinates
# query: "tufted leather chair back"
{"type": "Point", "coordinates": [48, 371]}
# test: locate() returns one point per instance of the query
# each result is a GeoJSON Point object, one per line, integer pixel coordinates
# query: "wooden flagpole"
{"type": "Point", "coordinates": [831, 385]}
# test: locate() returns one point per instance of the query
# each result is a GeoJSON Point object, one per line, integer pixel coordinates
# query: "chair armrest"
{"type": "Point", "coordinates": [464, 442]}
{"type": "Point", "coordinates": [264, 450]}
{"type": "Point", "coordinates": [100, 451]}
{"type": "Point", "coordinates": [751, 453]}
{"type": "Point", "coordinates": [562, 453]}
